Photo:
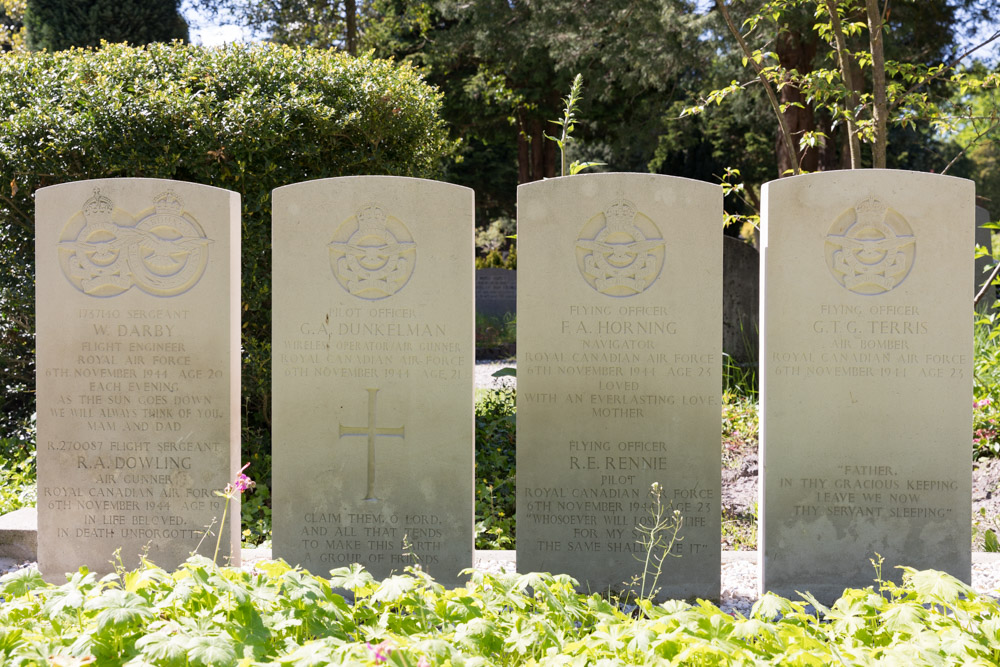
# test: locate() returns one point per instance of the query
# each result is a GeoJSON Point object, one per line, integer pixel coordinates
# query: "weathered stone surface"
{"type": "Point", "coordinates": [372, 375]}
{"type": "Point", "coordinates": [867, 378]}
{"type": "Point", "coordinates": [619, 355]}
{"type": "Point", "coordinates": [496, 292]}
{"type": "Point", "coordinates": [19, 535]}
{"type": "Point", "coordinates": [740, 299]}
{"type": "Point", "coordinates": [138, 296]}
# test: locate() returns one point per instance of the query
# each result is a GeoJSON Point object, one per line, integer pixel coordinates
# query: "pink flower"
{"type": "Point", "coordinates": [382, 651]}
{"type": "Point", "coordinates": [240, 484]}
{"type": "Point", "coordinates": [423, 663]}
{"type": "Point", "coordinates": [983, 403]}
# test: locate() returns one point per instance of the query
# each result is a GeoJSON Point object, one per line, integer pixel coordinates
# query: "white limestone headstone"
{"type": "Point", "coordinates": [866, 367]}
{"type": "Point", "coordinates": [619, 357]}
{"type": "Point", "coordinates": [372, 375]}
{"type": "Point", "coordinates": [138, 321]}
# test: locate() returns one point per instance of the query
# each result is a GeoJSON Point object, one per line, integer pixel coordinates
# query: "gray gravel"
{"type": "Point", "coordinates": [484, 374]}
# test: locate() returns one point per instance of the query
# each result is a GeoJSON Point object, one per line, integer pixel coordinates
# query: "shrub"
{"type": "Point", "coordinates": [495, 469]}
{"type": "Point", "coordinates": [244, 118]}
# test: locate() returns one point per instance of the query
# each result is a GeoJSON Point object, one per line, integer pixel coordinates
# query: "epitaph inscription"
{"type": "Point", "coordinates": [138, 416]}
{"type": "Point", "coordinates": [618, 378]}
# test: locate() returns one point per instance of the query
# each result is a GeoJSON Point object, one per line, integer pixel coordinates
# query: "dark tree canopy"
{"type": "Point", "coordinates": [56, 25]}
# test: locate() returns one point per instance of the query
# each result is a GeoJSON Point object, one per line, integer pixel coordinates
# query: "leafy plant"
{"type": "Point", "coordinates": [740, 427]}
{"type": "Point", "coordinates": [278, 616]}
{"type": "Point", "coordinates": [657, 540]}
{"type": "Point", "coordinates": [567, 123]}
{"type": "Point", "coordinates": [495, 469]}
{"type": "Point", "coordinates": [493, 332]}
{"type": "Point", "coordinates": [17, 475]}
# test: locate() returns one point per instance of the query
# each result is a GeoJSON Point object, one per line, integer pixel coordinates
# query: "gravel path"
{"type": "Point", "coordinates": [484, 374]}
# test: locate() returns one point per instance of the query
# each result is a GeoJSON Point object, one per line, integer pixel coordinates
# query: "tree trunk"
{"type": "Point", "coordinates": [880, 108]}
{"type": "Point", "coordinates": [351, 23]}
{"type": "Point", "coordinates": [846, 72]}
{"type": "Point", "coordinates": [796, 51]}
{"type": "Point", "coordinates": [536, 155]}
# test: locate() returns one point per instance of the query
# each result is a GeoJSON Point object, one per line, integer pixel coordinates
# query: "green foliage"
{"type": "Point", "coordinates": [740, 427]}
{"type": "Point", "coordinates": [567, 123]}
{"type": "Point", "coordinates": [247, 119]}
{"type": "Point", "coordinates": [60, 24]}
{"type": "Point", "coordinates": [495, 259]}
{"type": "Point", "coordinates": [496, 332]}
{"type": "Point", "coordinates": [276, 616]}
{"type": "Point", "coordinates": [12, 25]}
{"type": "Point", "coordinates": [658, 537]}
{"type": "Point", "coordinates": [986, 387]}
{"type": "Point", "coordinates": [255, 511]}
{"type": "Point", "coordinates": [17, 474]}
{"type": "Point", "coordinates": [495, 469]}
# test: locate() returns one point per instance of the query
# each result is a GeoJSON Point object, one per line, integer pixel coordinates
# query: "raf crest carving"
{"type": "Point", "coordinates": [372, 254]}
{"type": "Point", "coordinates": [620, 252]}
{"type": "Point", "coordinates": [870, 248]}
{"type": "Point", "coordinates": [104, 251]}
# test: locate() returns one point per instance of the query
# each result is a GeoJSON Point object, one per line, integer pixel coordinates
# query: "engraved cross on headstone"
{"type": "Point", "coordinates": [372, 432]}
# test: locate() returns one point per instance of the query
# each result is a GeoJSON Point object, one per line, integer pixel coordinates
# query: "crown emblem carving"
{"type": "Point", "coordinates": [619, 214]}
{"type": "Point", "coordinates": [871, 208]}
{"type": "Point", "coordinates": [98, 208]}
{"type": "Point", "coordinates": [168, 203]}
{"type": "Point", "coordinates": [371, 218]}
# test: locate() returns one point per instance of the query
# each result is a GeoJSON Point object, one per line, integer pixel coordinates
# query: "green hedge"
{"type": "Point", "coordinates": [245, 118]}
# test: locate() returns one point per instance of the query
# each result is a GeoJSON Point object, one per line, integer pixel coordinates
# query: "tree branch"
{"type": "Point", "coordinates": [975, 140]}
{"type": "Point", "coordinates": [786, 134]}
{"type": "Point", "coordinates": [986, 286]}
{"type": "Point", "coordinates": [844, 58]}
{"type": "Point", "coordinates": [947, 68]}
{"type": "Point", "coordinates": [26, 224]}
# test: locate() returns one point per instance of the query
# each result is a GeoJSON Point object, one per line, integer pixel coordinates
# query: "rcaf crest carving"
{"type": "Point", "coordinates": [104, 251]}
{"type": "Point", "coordinates": [620, 251]}
{"type": "Point", "coordinates": [870, 248]}
{"type": "Point", "coordinates": [372, 253]}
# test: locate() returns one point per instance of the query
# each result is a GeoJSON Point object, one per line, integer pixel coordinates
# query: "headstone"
{"type": "Point", "coordinates": [496, 292]}
{"type": "Point", "coordinates": [138, 321]}
{"type": "Point", "coordinates": [984, 237]}
{"type": "Point", "coordinates": [372, 375]}
{"type": "Point", "coordinates": [740, 299]}
{"type": "Point", "coordinates": [866, 359]}
{"type": "Point", "coordinates": [619, 355]}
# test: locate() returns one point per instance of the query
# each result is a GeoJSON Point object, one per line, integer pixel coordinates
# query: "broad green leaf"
{"type": "Point", "coordinates": [353, 578]}
{"type": "Point", "coordinates": [393, 588]}
{"type": "Point", "coordinates": [770, 606]}
{"type": "Point", "coordinates": [119, 609]}
{"type": "Point", "coordinates": [163, 646]}
{"type": "Point", "coordinates": [21, 582]}
{"type": "Point", "coordinates": [938, 586]}
{"type": "Point", "coordinates": [212, 651]}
